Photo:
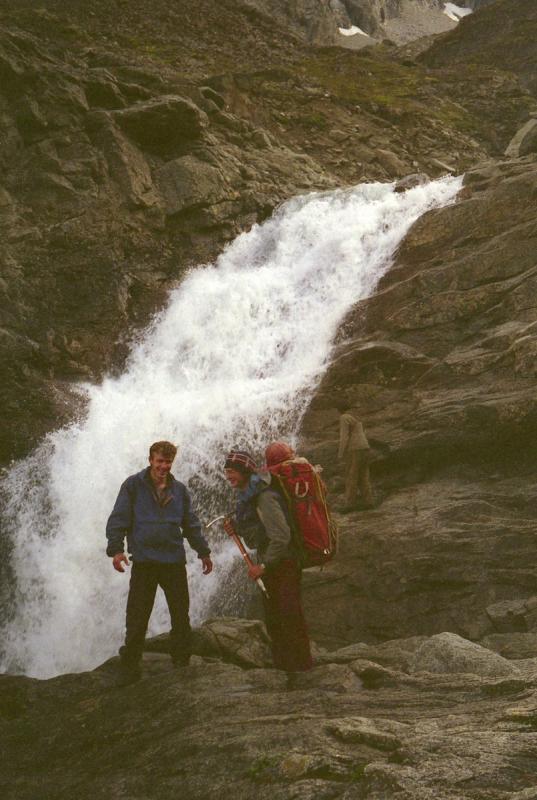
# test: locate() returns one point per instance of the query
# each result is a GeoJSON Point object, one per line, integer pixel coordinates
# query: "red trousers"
{"type": "Point", "coordinates": [284, 618]}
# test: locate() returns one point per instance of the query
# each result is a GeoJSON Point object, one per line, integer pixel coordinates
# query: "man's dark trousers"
{"type": "Point", "coordinates": [145, 577]}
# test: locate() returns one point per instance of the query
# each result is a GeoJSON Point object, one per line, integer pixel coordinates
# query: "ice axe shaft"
{"type": "Point", "coordinates": [238, 541]}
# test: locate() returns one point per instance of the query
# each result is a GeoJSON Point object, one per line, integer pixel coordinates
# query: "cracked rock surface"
{"type": "Point", "coordinates": [215, 727]}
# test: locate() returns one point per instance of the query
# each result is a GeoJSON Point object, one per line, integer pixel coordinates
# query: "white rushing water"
{"type": "Point", "coordinates": [232, 360]}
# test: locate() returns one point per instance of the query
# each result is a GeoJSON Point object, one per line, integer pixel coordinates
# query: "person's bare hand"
{"type": "Point", "coordinates": [255, 571]}
{"type": "Point", "coordinates": [207, 565]}
{"type": "Point", "coordinates": [118, 561]}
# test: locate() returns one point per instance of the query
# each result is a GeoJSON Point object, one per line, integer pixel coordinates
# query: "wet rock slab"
{"type": "Point", "coordinates": [217, 728]}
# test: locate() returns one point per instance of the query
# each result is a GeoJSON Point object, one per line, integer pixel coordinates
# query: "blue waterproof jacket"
{"type": "Point", "coordinates": [154, 529]}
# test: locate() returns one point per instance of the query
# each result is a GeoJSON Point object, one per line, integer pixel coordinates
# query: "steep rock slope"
{"type": "Point", "coordinates": [398, 20]}
{"type": "Point", "coordinates": [134, 150]}
{"type": "Point", "coordinates": [113, 182]}
{"type": "Point", "coordinates": [441, 361]}
{"type": "Point", "coordinates": [481, 39]}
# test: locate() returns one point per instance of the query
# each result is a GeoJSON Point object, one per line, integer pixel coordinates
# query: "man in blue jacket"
{"type": "Point", "coordinates": [154, 511]}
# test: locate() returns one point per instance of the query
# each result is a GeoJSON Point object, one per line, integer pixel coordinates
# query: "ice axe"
{"type": "Point", "coordinates": [236, 538]}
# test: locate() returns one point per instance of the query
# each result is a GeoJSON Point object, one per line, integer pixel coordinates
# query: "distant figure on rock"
{"type": "Point", "coordinates": [262, 520]}
{"type": "Point", "coordinates": [154, 511]}
{"type": "Point", "coordinates": [354, 451]}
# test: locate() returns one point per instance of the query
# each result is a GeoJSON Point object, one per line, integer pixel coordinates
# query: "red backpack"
{"type": "Point", "coordinates": [305, 494]}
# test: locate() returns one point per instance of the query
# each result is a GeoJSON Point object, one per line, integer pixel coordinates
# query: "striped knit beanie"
{"type": "Point", "coordinates": [241, 461]}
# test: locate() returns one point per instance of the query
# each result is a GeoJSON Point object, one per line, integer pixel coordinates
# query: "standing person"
{"type": "Point", "coordinates": [354, 449]}
{"type": "Point", "coordinates": [314, 531]}
{"type": "Point", "coordinates": [263, 522]}
{"type": "Point", "coordinates": [154, 511]}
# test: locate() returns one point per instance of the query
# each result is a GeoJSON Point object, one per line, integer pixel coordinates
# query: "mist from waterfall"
{"type": "Point", "coordinates": [232, 360]}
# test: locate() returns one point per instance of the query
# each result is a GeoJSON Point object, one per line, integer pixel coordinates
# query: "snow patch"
{"type": "Point", "coordinates": [352, 31]}
{"type": "Point", "coordinates": [456, 13]}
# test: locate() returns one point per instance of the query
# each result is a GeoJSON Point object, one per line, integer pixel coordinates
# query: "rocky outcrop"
{"type": "Point", "coordinates": [120, 169]}
{"type": "Point", "coordinates": [111, 185]}
{"type": "Point", "coordinates": [524, 141]}
{"type": "Point", "coordinates": [447, 653]}
{"type": "Point", "coordinates": [350, 728]}
{"type": "Point", "coordinates": [312, 19]}
{"type": "Point", "coordinates": [186, 182]}
{"type": "Point", "coordinates": [163, 124]}
{"type": "Point", "coordinates": [481, 39]}
{"type": "Point", "coordinates": [441, 363]}
{"type": "Point", "coordinates": [400, 21]}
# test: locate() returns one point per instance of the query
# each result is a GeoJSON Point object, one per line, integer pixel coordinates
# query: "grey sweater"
{"type": "Point", "coordinates": [262, 521]}
{"type": "Point", "coordinates": [276, 527]}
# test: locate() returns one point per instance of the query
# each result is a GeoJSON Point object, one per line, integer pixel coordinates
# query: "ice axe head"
{"type": "Point", "coordinates": [229, 525]}
{"type": "Point", "coordinates": [215, 520]}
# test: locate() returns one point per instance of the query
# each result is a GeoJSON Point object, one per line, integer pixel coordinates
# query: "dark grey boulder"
{"type": "Point", "coordinates": [161, 124]}
{"type": "Point", "coordinates": [410, 181]}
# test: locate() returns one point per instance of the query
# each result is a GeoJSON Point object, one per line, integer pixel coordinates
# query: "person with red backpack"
{"type": "Point", "coordinates": [300, 483]}
{"type": "Point", "coordinates": [263, 520]}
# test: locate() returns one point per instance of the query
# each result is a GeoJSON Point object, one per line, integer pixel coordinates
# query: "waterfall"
{"type": "Point", "coordinates": [232, 360]}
